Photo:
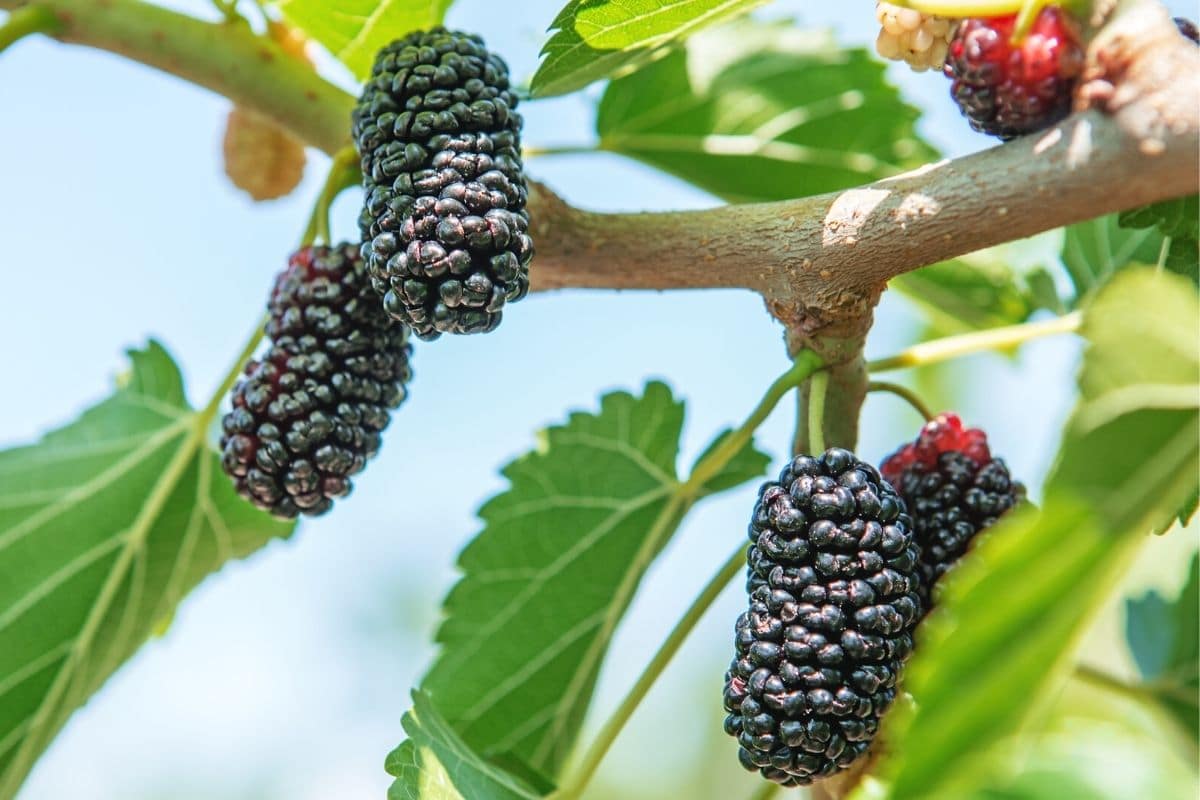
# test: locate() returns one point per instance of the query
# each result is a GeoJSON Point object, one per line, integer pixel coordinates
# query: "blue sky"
{"type": "Point", "coordinates": [286, 675]}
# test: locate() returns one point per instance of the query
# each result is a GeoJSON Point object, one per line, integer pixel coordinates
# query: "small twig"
{"type": "Point", "coordinates": [950, 347]}
{"type": "Point", "coordinates": [25, 21]}
{"type": "Point", "coordinates": [343, 173]}
{"type": "Point", "coordinates": [904, 393]}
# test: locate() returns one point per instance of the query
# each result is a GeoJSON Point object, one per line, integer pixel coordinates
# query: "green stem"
{"type": "Point", "coordinates": [1149, 693]}
{"type": "Point", "coordinates": [995, 339]}
{"type": "Point", "coordinates": [1111, 683]}
{"type": "Point", "coordinates": [816, 410]}
{"type": "Point", "coordinates": [575, 786]}
{"type": "Point", "coordinates": [25, 21]}
{"type": "Point", "coordinates": [560, 150]}
{"type": "Point", "coordinates": [343, 173]}
{"type": "Point", "coordinates": [805, 364]}
{"type": "Point", "coordinates": [1164, 250]}
{"type": "Point", "coordinates": [234, 373]}
{"type": "Point", "coordinates": [1025, 19]}
{"type": "Point", "coordinates": [765, 792]}
{"type": "Point", "coordinates": [904, 393]}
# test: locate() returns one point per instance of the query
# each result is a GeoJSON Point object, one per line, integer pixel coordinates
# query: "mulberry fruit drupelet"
{"type": "Point", "coordinates": [444, 225]}
{"type": "Point", "coordinates": [832, 578]}
{"type": "Point", "coordinates": [1009, 89]}
{"type": "Point", "coordinates": [308, 414]}
{"type": "Point", "coordinates": [954, 490]}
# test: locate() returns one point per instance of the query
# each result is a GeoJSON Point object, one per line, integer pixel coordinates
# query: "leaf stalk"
{"type": "Point", "coordinates": [950, 347]}
{"type": "Point", "coordinates": [25, 21]}
{"type": "Point", "coordinates": [575, 786]}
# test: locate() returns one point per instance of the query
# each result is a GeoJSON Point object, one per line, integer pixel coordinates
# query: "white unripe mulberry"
{"type": "Point", "coordinates": [907, 35]}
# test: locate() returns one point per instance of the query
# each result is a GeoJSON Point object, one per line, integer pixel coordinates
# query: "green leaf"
{"type": "Point", "coordinates": [105, 525]}
{"type": "Point", "coordinates": [1010, 616]}
{"type": "Point", "coordinates": [1095, 250]}
{"type": "Point", "coordinates": [1163, 638]}
{"type": "Point", "coordinates": [748, 464]}
{"type": "Point", "coordinates": [754, 112]}
{"type": "Point", "coordinates": [967, 294]}
{"type": "Point", "coordinates": [594, 39]}
{"type": "Point", "coordinates": [1139, 387]}
{"type": "Point", "coordinates": [1177, 218]}
{"type": "Point", "coordinates": [1085, 760]}
{"type": "Point", "coordinates": [435, 764]}
{"type": "Point", "coordinates": [546, 581]}
{"type": "Point", "coordinates": [1183, 258]}
{"type": "Point", "coordinates": [355, 30]}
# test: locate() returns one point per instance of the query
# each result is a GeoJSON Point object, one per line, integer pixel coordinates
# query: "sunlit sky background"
{"type": "Point", "coordinates": [285, 676]}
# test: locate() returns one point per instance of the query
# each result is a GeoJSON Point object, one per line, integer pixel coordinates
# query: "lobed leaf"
{"type": "Point", "coordinates": [435, 764]}
{"type": "Point", "coordinates": [547, 580]}
{"type": "Point", "coordinates": [756, 112]}
{"type": "Point", "coordinates": [105, 524]}
{"type": "Point", "coordinates": [595, 39]}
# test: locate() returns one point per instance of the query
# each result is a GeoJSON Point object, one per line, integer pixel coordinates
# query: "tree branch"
{"type": "Point", "coordinates": [820, 262]}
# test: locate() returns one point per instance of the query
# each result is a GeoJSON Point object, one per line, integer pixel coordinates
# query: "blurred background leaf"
{"type": "Point", "coordinates": [1095, 250]}
{"type": "Point", "coordinates": [756, 111]}
{"type": "Point", "coordinates": [594, 39]}
{"type": "Point", "coordinates": [1178, 219]}
{"type": "Point", "coordinates": [1126, 463]}
{"type": "Point", "coordinates": [1163, 636]}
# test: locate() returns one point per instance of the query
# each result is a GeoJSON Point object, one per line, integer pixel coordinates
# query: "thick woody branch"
{"type": "Point", "coordinates": [824, 259]}
{"type": "Point", "coordinates": [820, 262]}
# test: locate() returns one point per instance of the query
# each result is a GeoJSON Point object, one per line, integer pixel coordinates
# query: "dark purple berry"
{"type": "Point", "coordinates": [444, 226]}
{"type": "Point", "coordinates": [833, 587]}
{"type": "Point", "coordinates": [308, 414]}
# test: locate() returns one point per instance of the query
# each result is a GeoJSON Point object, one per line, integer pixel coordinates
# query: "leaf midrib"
{"type": "Point", "coordinates": [19, 766]}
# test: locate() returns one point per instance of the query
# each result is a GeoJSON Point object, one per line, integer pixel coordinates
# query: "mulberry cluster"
{"type": "Point", "coordinates": [444, 226]}
{"type": "Point", "coordinates": [1008, 89]}
{"type": "Point", "coordinates": [953, 489]}
{"type": "Point", "coordinates": [308, 415]}
{"type": "Point", "coordinates": [834, 598]}
{"type": "Point", "coordinates": [920, 40]}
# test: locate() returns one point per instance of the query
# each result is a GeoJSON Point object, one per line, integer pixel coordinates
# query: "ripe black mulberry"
{"type": "Point", "coordinates": [954, 489]}
{"type": "Point", "coordinates": [308, 414]}
{"type": "Point", "coordinates": [834, 598]}
{"type": "Point", "coordinates": [444, 225]}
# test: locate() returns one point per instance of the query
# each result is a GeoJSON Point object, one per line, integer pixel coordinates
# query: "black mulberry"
{"type": "Point", "coordinates": [953, 488]}
{"type": "Point", "coordinates": [833, 600]}
{"type": "Point", "coordinates": [444, 225]}
{"type": "Point", "coordinates": [308, 414]}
